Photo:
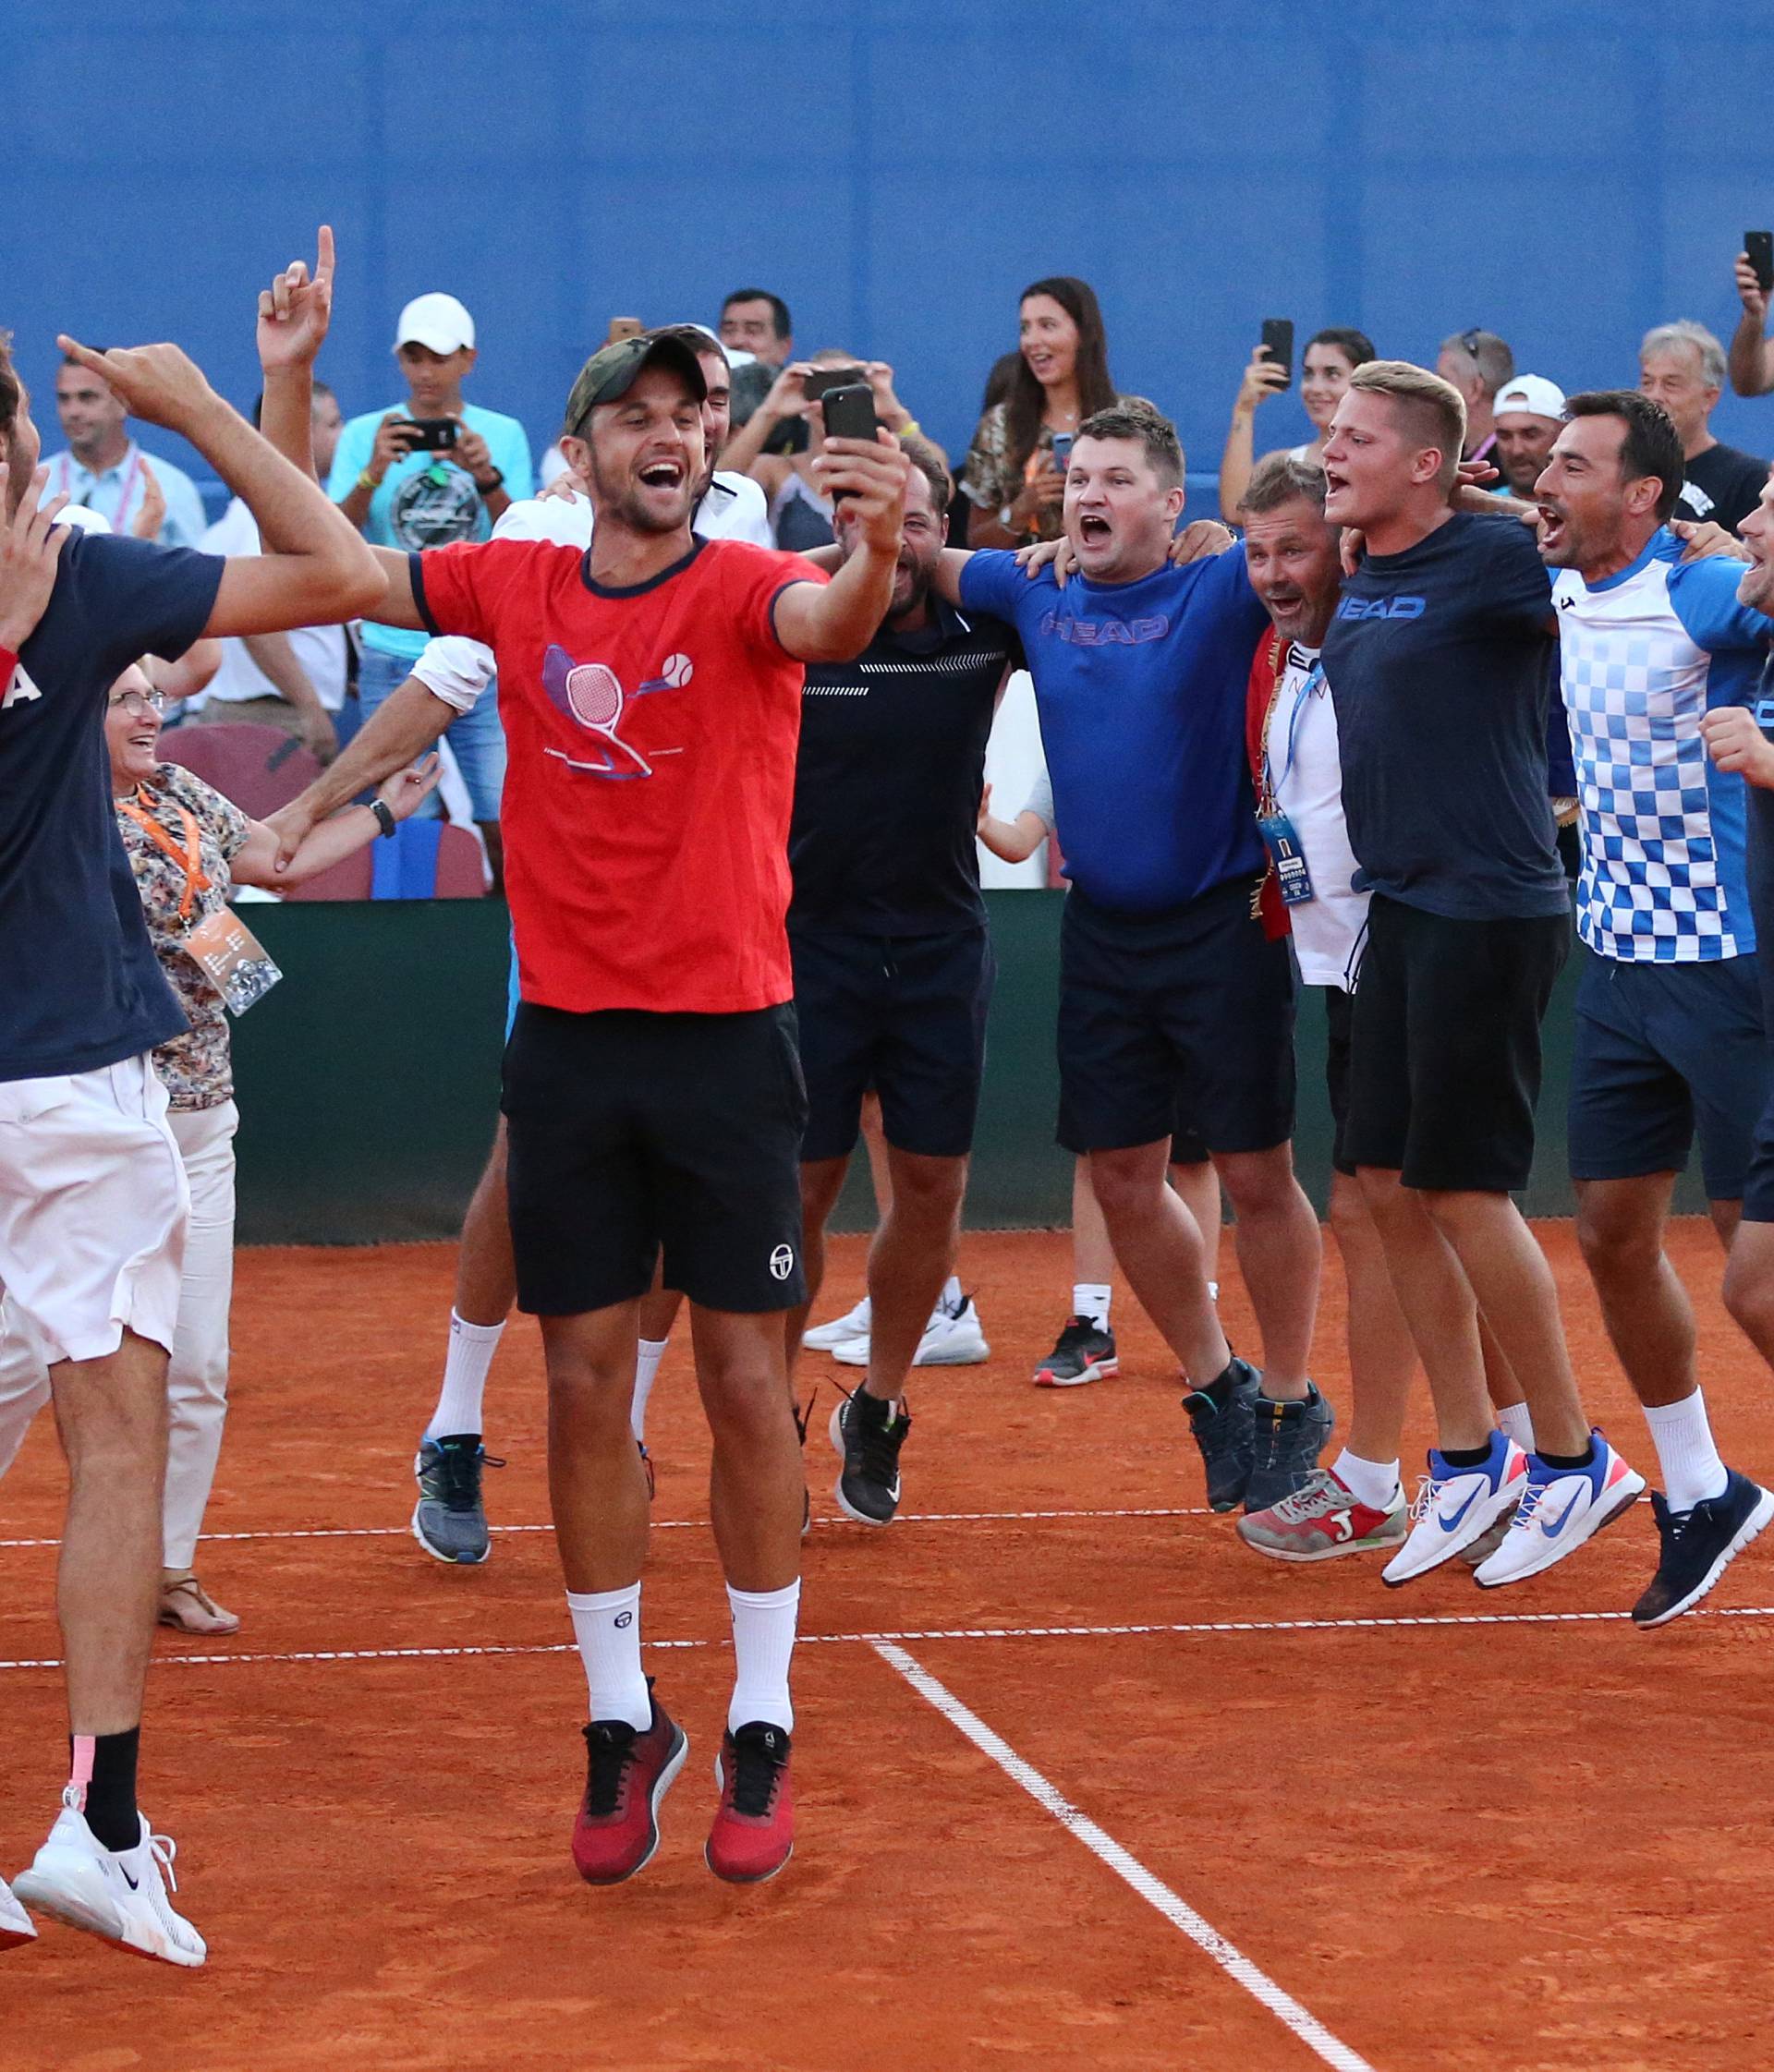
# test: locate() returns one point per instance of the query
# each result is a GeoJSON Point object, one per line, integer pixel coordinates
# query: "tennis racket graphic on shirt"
{"type": "Point", "coordinates": [591, 695]}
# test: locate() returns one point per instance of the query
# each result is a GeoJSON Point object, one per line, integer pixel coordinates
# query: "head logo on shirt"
{"type": "Point", "coordinates": [434, 507]}
{"type": "Point", "coordinates": [22, 689]}
{"type": "Point", "coordinates": [591, 695]}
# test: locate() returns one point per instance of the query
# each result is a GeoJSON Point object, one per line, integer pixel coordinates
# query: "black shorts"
{"type": "Point", "coordinates": [1190, 1009]}
{"type": "Point", "coordinates": [1186, 1147]}
{"type": "Point", "coordinates": [633, 1133]}
{"type": "Point", "coordinates": [1338, 1014]}
{"type": "Point", "coordinates": [904, 1014]}
{"type": "Point", "coordinates": [1444, 1064]}
{"type": "Point", "coordinates": [1664, 1052]}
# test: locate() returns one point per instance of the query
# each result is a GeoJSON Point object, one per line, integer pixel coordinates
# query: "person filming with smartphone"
{"type": "Point", "coordinates": [1751, 359]}
{"type": "Point", "coordinates": [1330, 357]}
{"type": "Point", "coordinates": [427, 472]}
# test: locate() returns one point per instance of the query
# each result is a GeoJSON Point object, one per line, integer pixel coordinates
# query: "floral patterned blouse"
{"type": "Point", "coordinates": [991, 484]}
{"type": "Point", "coordinates": [197, 1069]}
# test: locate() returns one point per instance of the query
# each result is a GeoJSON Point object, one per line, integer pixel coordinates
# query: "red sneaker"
{"type": "Point", "coordinates": [626, 1776]}
{"type": "Point", "coordinates": [753, 1833]}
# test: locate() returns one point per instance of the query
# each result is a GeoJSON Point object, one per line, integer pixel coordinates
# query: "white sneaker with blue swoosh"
{"type": "Point", "coordinates": [1457, 1506]}
{"type": "Point", "coordinates": [119, 1893]}
{"type": "Point", "coordinates": [1560, 1508]}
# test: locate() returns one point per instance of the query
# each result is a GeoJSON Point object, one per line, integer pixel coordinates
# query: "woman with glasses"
{"type": "Point", "coordinates": [189, 847]}
{"type": "Point", "coordinates": [1330, 358]}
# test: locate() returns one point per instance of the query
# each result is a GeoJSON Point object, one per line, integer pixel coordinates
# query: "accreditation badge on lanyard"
{"type": "Point", "coordinates": [222, 948]}
{"type": "Point", "coordinates": [1273, 824]}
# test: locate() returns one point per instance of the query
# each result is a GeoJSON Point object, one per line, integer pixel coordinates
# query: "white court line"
{"type": "Point", "coordinates": [688, 1524]}
{"type": "Point", "coordinates": [1232, 1960]}
{"type": "Point", "coordinates": [937, 1633]}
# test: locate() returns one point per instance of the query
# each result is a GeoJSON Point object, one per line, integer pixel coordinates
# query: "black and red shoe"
{"type": "Point", "coordinates": [627, 1773]}
{"type": "Point", "coordinates": [753, 1833]}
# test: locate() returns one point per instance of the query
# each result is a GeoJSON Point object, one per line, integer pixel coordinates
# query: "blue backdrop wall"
{"type": "Point", "coordinates": [1566, 175]}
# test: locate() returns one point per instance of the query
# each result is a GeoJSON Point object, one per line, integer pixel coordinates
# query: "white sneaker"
{"type": "Point", "coordinates": [853, 1324]}
{"type": "Point", "coordinates": [1457, 1506]}
{"type": "Point", "coordinates": [14, 1923]}
{"type": "Point", "coordinates": [1560, 1508]}
{"type": "Point", "coordinates": [119, 1893]}
{"type": "Point", "coordinates": [955, 1340]}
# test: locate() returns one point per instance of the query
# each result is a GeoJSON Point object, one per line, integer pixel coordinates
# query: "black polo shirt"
{"type": "Point", "coordinates": [888, 780]}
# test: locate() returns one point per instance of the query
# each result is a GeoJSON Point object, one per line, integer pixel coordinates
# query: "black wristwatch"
{"type": "Point", "coordinates": [385, 819]}
{"type": "Point", "coordinates": [494, 487]}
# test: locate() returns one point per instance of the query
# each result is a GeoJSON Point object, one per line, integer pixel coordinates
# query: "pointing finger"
{"type": "Point", "coordinates": [323, 260]}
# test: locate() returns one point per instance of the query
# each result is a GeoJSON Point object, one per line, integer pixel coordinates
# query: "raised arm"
{"type": "Point", "coordinates": [1262, 379]}
{"type": "Point", "coordinates": [831, 622]}
{"type": "Point", "coordinates": [1751, 359]}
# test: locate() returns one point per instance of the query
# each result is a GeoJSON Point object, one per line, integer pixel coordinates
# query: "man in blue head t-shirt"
{"type": "Point", "coordinates": [1171, 988]}
{"type": "Point", "coordinates": [93, 1195]}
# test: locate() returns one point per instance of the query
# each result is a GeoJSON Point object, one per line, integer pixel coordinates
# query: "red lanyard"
{"type": "Point", "coordinates": [123, 494]}
{"type": "Point", "coordinates": [189, 859]}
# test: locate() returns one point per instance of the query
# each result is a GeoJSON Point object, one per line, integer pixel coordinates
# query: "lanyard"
{"type": "Point", "coordinates": [1314, 681]}
{"type": "Point", "coordinates": [65, 464]}
{"type": "Point", "coordinates": [189, 859]}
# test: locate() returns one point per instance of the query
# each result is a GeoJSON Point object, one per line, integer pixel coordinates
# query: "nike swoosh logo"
{"type": "Point", "coordinates": [133, 1883]}
{"type": "Point", "coordinates": [1552, 1532]}
{"type": "Point", "coordinates": [1452, 1524]}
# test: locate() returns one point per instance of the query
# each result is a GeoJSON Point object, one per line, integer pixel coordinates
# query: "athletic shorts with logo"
{"type": "Point", "coordinates": [633, 1135]}
{"type": "Point", "coordinates": [1445, 1047]}
{"type": "Point", "coordinates": [904, 1014]}
{"type": "Point", "coordinates": [1664, 1053]}
{"type": "Point", "coordinates": [94, 1209]}
{"type": "Point", "coordinates": [1188, 1011]}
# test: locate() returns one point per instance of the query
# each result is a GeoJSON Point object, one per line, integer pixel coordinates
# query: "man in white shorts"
{"type": "Point", "coordinates": [94, 1202]}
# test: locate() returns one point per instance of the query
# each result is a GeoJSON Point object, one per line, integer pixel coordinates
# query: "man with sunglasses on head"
{"type": "Point", "coordinates": [1478, 363]}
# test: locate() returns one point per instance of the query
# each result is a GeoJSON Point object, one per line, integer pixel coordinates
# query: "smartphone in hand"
{"type": "Point", "coordinates": [1278, 342]}
{"type": "Point", "coordinates": [1758, 247]}
{"type": "Point", "coordinates": [849, 413]}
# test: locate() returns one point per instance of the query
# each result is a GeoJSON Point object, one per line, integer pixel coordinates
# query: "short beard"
{"type": "Point", "coordinates": [625, 504]}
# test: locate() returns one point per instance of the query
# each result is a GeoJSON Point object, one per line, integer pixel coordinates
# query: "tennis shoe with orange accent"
{"type": "Point", "coordinates": [627, 1773]}
{"type": "Point", "coordinates": [1560, 1508]}
{"type": "Point", "coordinates": [1457, 1506]}
{"type": "Point", "coordinates": [753, 1833]}
{"type": "Point", "coordinates": [1323, 1520]}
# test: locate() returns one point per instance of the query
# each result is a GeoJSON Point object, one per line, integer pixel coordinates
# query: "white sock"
{"type": "Point", "coordinates": [1373, 1483]}
{"type": "Point", "coordinates": [472, 1347]}
{"type": "Point", "coordinates": [1692, 1469]}
{"type": "Point", "coordinates": [646, 1358]}
{"type": "Point", "coordinates": [763, 1641]}
{"type": "Point", "coordinates": [1090, 1300]}
{"type": "Point", "coordinates": [1514, 1423]}
{"type": "Point", "coordinates": [1213, 1290]}
{"type": "Point", "coordinates": [606, 1624]}
{"type": "Point", "coordinates": [953, 1300]}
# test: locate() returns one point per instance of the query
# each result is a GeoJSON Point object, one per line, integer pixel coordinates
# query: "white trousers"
{"type": "Point", "coordinates": [197, 1380]}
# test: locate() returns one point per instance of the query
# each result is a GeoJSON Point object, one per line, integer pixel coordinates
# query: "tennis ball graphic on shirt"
{"type": "Point", "coordinates": [677, 672]}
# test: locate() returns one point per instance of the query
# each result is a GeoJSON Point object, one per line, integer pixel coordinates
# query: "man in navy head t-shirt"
{"type": "Point", "coordinates": [93, 1194]}
{"type": "Point", "coordinates": [1437, 663]}
{"type": "Point", "coordinates": [1171, 988]}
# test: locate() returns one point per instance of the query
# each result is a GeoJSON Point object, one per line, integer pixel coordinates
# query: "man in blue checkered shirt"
{"type": "Point", "coordinates": [1670, 1042]}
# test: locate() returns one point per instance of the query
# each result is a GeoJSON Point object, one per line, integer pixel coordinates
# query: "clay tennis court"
{"type": "Point", "coordinates": [1081, 1782]}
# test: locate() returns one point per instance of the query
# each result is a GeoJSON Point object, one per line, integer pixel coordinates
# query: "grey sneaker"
{"type": "Point", "coordinates": [1286, 1440]}
{"type": "Point", "coordinates": [1322, 1520]}
{"type": "Point", "coordinates": [449, 1520]}
{"type": "Point", "coordinates": [1222, 1420]}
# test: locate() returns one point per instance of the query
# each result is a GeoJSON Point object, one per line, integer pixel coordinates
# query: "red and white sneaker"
{"type": "Point", "coordinates": [753, 1833]}
{"type": "Point", "coordinates": [1323, 1520]}
{"type": "Point", "coordinates": [1560, 1508]}
{"type": "Point", "coordinates": [14, 1923]}
{"type": "Point", "coordinates": [627, 1774]}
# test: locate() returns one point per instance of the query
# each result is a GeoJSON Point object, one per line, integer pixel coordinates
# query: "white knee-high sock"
{"type": "Point", "coordinates": [763, 1642]}
{"type": "Point", "coordinates": [472, 1347]}
{"type": "Point", "coordinates": [606, 1623]}
{"type": "Point", "coordinates": [1683, 1437]}
{"type": "Point", "coordinates": [646, 1358]}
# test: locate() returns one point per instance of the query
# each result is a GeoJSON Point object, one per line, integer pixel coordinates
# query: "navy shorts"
{"type": "Point", "coordinates": [1664, 1053]}
{"type": "Point", "coordinates": [903, 1014]}
{"type": "Point", "coordinates": [1188, 1011]}
{"type": "Point", "coordinates": [1186, 1147]}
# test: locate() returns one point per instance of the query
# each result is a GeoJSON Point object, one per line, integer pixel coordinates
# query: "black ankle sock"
{"type": "Point", "coordinates": [111, 1796]}
{"type": "Point", "coordinates": [1465, 1456]}
{"type": "Point", "coordinates": [1565, 1461]}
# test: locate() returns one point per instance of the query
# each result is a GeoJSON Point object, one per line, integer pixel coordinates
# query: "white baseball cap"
{"type": "Point", "coordinates": [1531, 394]}
{"type": "Point", "coordinates": [436, 322]}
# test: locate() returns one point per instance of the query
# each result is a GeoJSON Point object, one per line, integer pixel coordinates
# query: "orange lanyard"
{"type": "Point", "coordinates": [189, 859]}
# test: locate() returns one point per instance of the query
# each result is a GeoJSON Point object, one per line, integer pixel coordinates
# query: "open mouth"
{"type": "Point", "coordinates": [1095, 529]}
{"type": "Point", "coordinates": [1552, 525]}
{"type": "Point", "coordinates": [662, 475]}
{"type": "Point", "coordinates": [1333, 481]}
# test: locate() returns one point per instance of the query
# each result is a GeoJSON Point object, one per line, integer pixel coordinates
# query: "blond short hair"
{"type": "Point", "coordinates": [1435, 409]}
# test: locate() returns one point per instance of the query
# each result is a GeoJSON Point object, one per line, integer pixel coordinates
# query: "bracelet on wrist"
{"type": "Point", "coordinates": [9, 662]}
{"type": "Point", "coordinates": [369, 481]}
{"type": "Point", "coordinates": [494, 487]}
{"type": "Point", "coordinates": [385, 822]}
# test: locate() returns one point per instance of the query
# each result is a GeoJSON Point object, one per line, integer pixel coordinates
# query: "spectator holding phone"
{"type": "Point", "coordinates": [1751, 359]}
{"type": "Point", "coordinates": [1331, 355]}
{"type": "Point", "coordinates": [800, 513]}
{"type": "Point", "coordinates": [1062, 378]}
{"type": "Point", "coordinates": [425, 473]}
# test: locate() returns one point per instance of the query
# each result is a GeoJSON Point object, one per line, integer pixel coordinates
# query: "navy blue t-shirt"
{"type": "Point", "coordinates": [1141, 690]}
{"type": "Point", "coordinates": [80, 986]}
{"type": "Point", "coordinates": [1437, 659]}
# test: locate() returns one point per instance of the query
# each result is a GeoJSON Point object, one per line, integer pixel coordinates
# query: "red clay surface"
{"type": "Point", "coordinates": [1520, 1844]}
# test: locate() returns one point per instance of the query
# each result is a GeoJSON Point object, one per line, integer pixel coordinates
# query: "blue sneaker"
{"type": "Point", "coordinates": [1457, 1506]}
{"type": "Point", "coordinates": [1699, 1545]}
{"type": "Point", "coordinates": [1223, 1422]}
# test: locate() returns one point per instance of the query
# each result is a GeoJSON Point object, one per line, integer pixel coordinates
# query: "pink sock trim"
{"type": "Point", "coordinates": [81, 1777]}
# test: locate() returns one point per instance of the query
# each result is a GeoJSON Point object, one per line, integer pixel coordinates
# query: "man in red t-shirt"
{"type": "Point", "coordinates": [650, 693]}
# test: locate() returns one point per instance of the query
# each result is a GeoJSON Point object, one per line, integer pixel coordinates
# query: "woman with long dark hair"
{"type": "Point", "coordinates": [1062, 376]}
{"type": "Point", "coordinates": [1330, 356]}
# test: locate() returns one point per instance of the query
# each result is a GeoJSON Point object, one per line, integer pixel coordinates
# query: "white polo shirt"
{"type": "Point", "coordinates": [1307, 771]}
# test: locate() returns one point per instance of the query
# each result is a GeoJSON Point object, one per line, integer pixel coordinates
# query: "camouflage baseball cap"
{"type": "Point", "coordinates": [612, 371]}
